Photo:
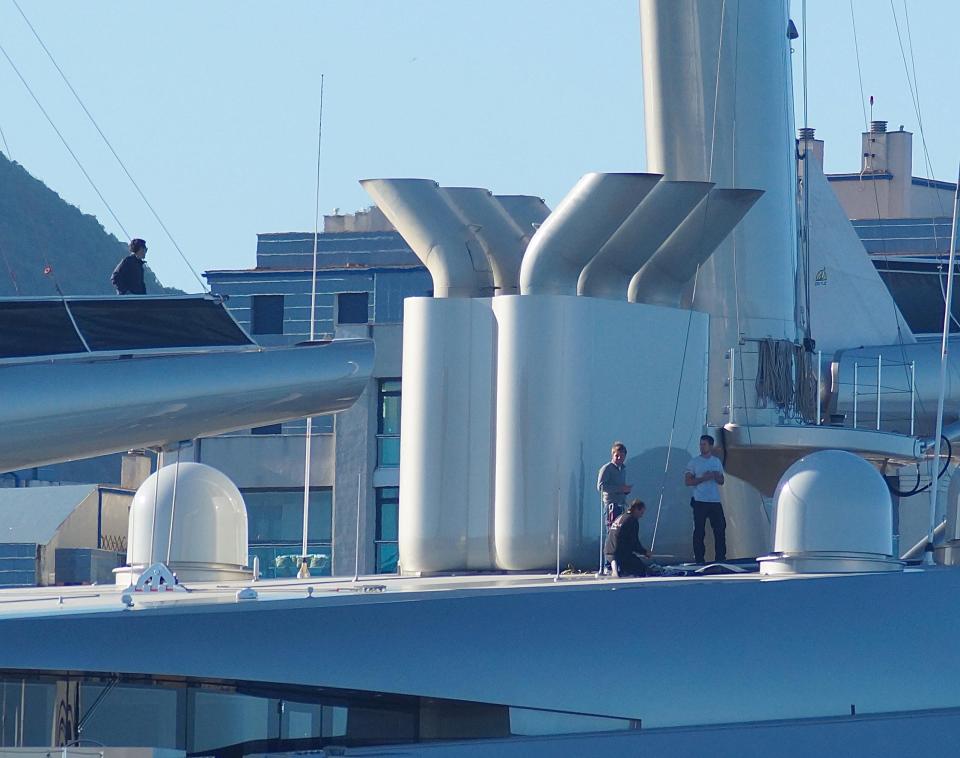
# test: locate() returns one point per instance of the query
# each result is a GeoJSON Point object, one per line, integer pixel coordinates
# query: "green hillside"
{"type": "Point", "coordinates": [38, 227]}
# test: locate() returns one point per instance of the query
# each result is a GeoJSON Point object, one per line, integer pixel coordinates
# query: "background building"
{"type": "Point", "coordinates": [903, 221]}
{"type": "Point", "coordinates": [364, 271]}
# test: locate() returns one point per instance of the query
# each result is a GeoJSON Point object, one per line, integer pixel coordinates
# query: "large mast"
{"type": "Point", "coordinates": [718, 107]}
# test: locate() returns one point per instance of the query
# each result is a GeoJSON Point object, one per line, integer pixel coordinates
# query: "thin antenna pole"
{"type": "Point", "coordinates": [947, 312]}
{"type": "Point", "coordinates": [333, 539]}
{"type": "Point", "coordinates": [356, 565]}
{"type": "Point", "coordinates": [316, 223]}
{"type": "Point", "coordinates": [603, 530]}
{"type": "Point", "coordinates": [153, 521]}
{"type": "Point", "coordinates": [308, 439]}
{"type": "Point", "coordinates": [173, 503]}
{"type": "Point", "coordinates": [557, 577]}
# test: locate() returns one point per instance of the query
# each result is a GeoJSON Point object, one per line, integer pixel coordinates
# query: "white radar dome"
{"type": "Point", "coordinates": [832, 512]}
{"type": "Point", "coordinates": [203, 512]}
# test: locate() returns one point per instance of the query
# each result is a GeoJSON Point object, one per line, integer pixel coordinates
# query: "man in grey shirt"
{"type": "Point", "coordinates": [612, 482]}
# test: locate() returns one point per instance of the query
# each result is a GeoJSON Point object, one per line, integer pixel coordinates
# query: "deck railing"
{"type": "Point", "coordinates": [765, 375]}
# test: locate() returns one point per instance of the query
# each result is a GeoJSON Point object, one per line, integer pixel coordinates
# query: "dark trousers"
{"type": "Point", "coordinates": [701, 512]}
{"type": "Point", "coordinates": [629, 565]}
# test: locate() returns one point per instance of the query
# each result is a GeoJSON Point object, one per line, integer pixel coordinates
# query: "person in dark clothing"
{"type": "Point", "coordinates": [623, 543]}
{"type": "Point", "coordinates": [127, 277]}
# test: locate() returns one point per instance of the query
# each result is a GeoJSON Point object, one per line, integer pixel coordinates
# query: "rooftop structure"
{"type": "Point", "coordinates": [885, 187]}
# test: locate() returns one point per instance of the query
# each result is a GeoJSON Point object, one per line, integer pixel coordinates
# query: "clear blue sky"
{"type": "Point", "coordinates": [213, 105]}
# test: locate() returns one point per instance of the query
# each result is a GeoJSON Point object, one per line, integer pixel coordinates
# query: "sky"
{"type": "Point", "coordinates": [213, 106]}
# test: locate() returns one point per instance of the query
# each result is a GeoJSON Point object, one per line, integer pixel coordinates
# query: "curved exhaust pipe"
{"type": "Point", "coordinates": [664, 277]}
{"type": "Point", "coordinates": [573, 234]}
{"type": "Point", "coordinates": [502, 239]}
{"type": "Point", "coordinates": [435, 232]}
{"type": "Point", "coordinates": [527, 211]}
{"type": "Point", "coordinates": [632, 245]}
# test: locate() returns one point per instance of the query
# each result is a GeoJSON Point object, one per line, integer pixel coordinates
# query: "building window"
{"type": "Point", "coordinates": [352, 307]}
{"type": "Point", "coordinates": [388, 424]}
{"type": "Point", "coordinates": [266, 314]}
{"type": "Point", "coordinates": [387, 545]}
{"type": "Point", "coordinates": [269, 429]}
{"type": "Point", "coordinates": [275, 528]}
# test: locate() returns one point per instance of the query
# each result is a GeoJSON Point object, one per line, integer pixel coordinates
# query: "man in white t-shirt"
{"type": "Point", "coordinates": [705, 474]}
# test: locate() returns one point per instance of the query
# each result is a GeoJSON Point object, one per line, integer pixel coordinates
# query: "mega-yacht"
{"type": "Point", "coordinates": [647, 306]}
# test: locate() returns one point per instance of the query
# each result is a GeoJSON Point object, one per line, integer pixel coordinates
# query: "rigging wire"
{"type": "Point", "coordinates": [313, 326]}
{"type": "Point", "coordinates": [876, 200]}
{"type": "Point", "coordinates": [3, 253]}
{"type": "Point", "coordinates": [10, 271]}
{"type": "Point", "coordinates": [913, 86]}
{"type": "Point", "coordinates": [733, 167]}
{"type": "Point", "coordinates": [673, 427]}
{"type": "Point", "coordinates": [805, 249]}
{"type": "Point", "coordinates": [941, 278]}
{"type": "Point", "coordinates": [911, 73]}
{"type": "Point", "coordinates": [856, 48]}
{"type": "Point", "coordinates": [106, 141]}
{"type": "Point", "coordinates": [64, 141]}
{"type": "Point", "coordinates": [6, 147]}
{"type": "Point", "coordinates": [48, 269]}
{"type": "Point", "coordinates": [910, 70]}
{"type": "Point", "coordinates": [944, 351]}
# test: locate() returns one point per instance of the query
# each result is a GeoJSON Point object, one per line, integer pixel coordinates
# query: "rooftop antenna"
{"type": "Point", "coordinates": [304, 571]}
{"type": "Point", "coordinates": [947, 313]}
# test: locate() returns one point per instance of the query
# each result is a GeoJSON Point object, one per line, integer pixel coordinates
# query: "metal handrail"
{"type": "Point", "coordinates": [876, 393]}
{"type": "Point", "coordinates": [790, 414]}
{"type": "Point", "coordinates": [881, 390]}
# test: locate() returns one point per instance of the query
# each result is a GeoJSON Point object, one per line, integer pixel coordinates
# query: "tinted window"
{"type": "Point", "coordinates": [275, 523]}
{"type": "Point", "coordinates": [388, 423]}
{"type": "Point", "coordinates": [270, 429]}
{"type": "Point", "coordinates": [277, 515]}
{"type": "Point", "coordinates": [267, 314]}
{"type": "Point", "coordinates": [387, 546]}
{"type": "Point", "coordinates": [352, 307]}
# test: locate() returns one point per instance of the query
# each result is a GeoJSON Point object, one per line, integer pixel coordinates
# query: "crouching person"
{"type": "Point", "coordinates": [623, 547]}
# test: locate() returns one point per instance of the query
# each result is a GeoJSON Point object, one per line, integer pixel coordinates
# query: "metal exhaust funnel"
{"type": "Point", "coordinates": [662, 280]}
{"type": "Point", "coordinates": [646, 229]}
{"type": "Point", "coordinates": [527, 211]}
{"type": "Point", "coordinates": [573, 234]}
{"type": "Point", "coordinates": [435, 232]}
{"type": "Point", "coordinates": [502, 239]}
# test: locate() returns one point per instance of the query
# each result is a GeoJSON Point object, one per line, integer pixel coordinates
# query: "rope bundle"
{"type": "Point", "coordinates": [786, 377]}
